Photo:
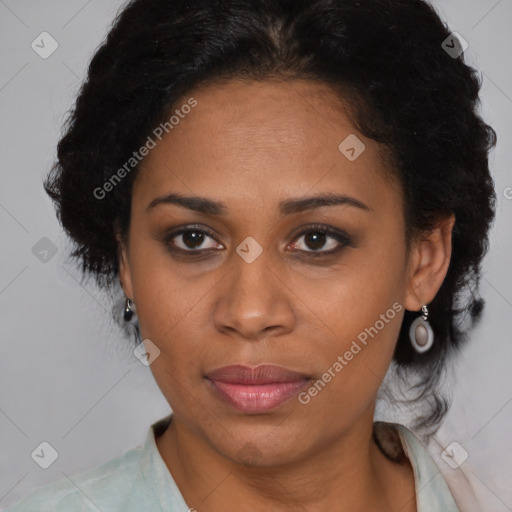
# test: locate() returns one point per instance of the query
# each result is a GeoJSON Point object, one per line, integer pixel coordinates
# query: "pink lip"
{"type": "Point", "coordinates": [256, 390]}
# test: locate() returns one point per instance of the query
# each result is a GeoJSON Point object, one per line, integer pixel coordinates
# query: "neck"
{"type": "Point", "coordinates": [350, 473]}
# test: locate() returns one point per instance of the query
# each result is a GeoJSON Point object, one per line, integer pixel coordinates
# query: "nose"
{"type": "Point", "coordinates": [254, 302]}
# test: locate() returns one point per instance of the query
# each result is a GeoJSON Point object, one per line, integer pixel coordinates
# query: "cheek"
{"type": "Point", "coordinates": [366, 287]}
{"type": "Point", "coordinates": [362, 332]}
{"type": "Point", "coordinates": [361, 312]}
{"type": "Point", "coordinates": [173, 314]}
{"type": "Point", "coordinates": [164, 293]}
{"type": "Point", "coordinates": [363, 327]}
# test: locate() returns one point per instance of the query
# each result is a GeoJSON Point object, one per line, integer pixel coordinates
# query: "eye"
{"type": "Point", "coordinates": [317, 237]}
{"type": "Point", "coordinates": [317, 240]}
{"type": "Point", "coordinates": [192, 239]}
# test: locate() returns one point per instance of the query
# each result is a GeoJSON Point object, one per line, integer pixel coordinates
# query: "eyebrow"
{"type": "Point", "coordinates": [286, 207]}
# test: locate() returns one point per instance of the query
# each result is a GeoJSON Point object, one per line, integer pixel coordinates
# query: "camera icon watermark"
{"type": "Point", "coordinates": [249, 249]}
{"type": "Point", "coordinates": [249, 454]}
{"type": "Point", "coordinates": [146, 352]}
{"type": "Point", "coordinates": [454, 45]}
{"type": "Point", "coordinates": [351, 147]}
{"type": "Point", "coordinates": [44, 45]}
{"type": "Point", "coordinates": [45, 455]}
{"type": "Point", "coordinates": [454, 455]}
{"type": "Point", "coordinates": [507, 192]}
{"type": "Point", "coordinates": [44, 250]}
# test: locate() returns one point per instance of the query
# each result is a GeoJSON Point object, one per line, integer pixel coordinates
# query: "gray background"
{"type": "Point", "coordinates": [66, 375]}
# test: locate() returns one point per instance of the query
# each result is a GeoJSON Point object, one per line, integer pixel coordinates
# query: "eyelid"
{"type": "Point", "coordinates": [173, 233]}
{"type": "Point", "coordinates": [341, 237]}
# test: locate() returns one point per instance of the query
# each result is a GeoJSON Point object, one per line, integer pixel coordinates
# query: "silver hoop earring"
{"type": "Point", "coordinates": [420, 332]}
{"type": "Point", "coordinates": [128, 309]}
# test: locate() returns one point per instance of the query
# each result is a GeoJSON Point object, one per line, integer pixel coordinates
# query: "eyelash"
{"type": "Point", "coordinates": [343, 239]}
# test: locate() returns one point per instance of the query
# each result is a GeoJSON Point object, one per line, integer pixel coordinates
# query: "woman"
{"type": "Point", "coordinates": [293, 195]}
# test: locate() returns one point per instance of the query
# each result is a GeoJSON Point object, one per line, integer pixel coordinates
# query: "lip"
{"type": "Point", "coordinates": [256, 389]}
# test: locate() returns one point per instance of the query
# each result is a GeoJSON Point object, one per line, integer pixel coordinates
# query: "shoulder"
{"type": "Point", "coordinates": [437, 485]}
{"type": "Point", "coordinates": [102, 486]}
{"type": "Point", "coordinates": [56, 497]}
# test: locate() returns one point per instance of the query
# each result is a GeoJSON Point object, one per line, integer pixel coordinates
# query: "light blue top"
{"type": "Point", "coordinates": [139, 481]}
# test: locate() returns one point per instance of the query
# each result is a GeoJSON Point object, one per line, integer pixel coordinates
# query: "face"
{"type": "Point", "coordinates": [263, 277]}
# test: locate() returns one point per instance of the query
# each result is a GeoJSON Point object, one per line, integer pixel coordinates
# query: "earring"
{"type": "Point", "coordinates": [420, 332]}
{"type": "Point", "coordinates": [128, 309]}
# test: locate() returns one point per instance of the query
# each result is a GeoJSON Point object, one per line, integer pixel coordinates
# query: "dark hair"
{"type": "Point", "coordinates": [385, 56]}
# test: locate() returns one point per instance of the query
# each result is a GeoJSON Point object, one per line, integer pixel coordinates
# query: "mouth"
{"type": "Point", "coordinates": [255, 389]}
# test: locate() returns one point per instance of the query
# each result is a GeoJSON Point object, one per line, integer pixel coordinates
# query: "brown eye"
{"type": "Point", "coordinates": [192, 240]}
{"type": "Point", "coordinates": [317, 238]}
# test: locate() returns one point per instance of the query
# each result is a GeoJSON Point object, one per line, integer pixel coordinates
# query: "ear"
{"type": "Point", "coordinates": [428, 264]}
{"type": "Point", "coordinates": [124, 267]}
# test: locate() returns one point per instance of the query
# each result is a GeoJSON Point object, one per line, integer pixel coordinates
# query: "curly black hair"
{"type": "Point", "coordinates": [389, 58]}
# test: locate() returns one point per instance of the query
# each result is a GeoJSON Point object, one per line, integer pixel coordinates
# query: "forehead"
{"type": "Point", "coordinates": [273, 139]}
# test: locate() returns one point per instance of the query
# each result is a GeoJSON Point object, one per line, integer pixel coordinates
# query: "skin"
{"type": "Point", "coordinates": [252, 145]}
